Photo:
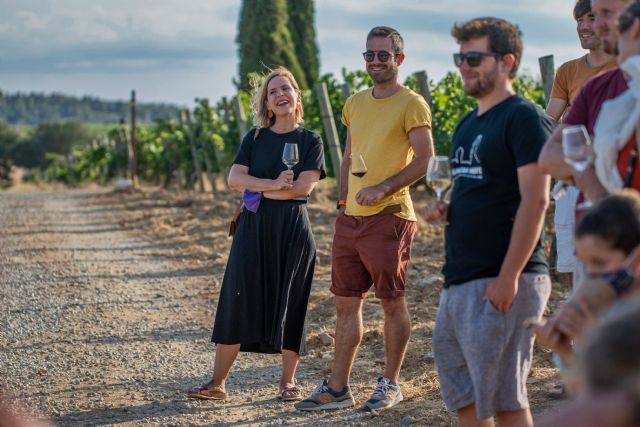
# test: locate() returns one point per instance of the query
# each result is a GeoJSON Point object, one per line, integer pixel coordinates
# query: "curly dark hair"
{"type": "Point", "coordinates": [504, 37]}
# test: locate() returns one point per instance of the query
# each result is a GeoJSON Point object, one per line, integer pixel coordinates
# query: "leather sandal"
{"type": "Point", "coordinates": [207, 391]}
{"type": "Point", "coordinates": [290, 394]}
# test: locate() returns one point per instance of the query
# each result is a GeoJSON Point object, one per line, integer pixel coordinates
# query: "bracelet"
{"type": "Point", "coordinates": [340, 203]}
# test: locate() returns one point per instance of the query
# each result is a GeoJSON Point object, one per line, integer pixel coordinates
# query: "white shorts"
{"type": "Point", "coordinates": [564, 245]}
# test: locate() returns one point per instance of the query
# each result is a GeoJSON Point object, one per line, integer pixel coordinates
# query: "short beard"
{"type": "Point", "coordinates": [594, 45]}
{"type": "Point", "coordinates": [610, 48]}
{"type": "Point", "coordinates": [483, 86]}
{"type": "Point", "coordinates": [388, 75]}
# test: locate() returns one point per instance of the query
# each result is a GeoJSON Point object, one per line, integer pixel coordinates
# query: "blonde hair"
{"type": "Point", "coordinates": [259, 98]}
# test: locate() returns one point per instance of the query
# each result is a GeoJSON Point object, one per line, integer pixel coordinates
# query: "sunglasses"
{"type": "Point", "coordinates": [473, 58]}
{"type": "Point", "coordinates": [383, 55]}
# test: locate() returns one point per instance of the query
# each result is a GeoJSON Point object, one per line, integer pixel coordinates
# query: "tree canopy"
{"type": "Point", "coordinates": [275, 33]}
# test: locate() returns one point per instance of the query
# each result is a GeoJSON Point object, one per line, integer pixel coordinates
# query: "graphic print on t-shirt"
{"type": "Point", "coordinates": [467, 165]}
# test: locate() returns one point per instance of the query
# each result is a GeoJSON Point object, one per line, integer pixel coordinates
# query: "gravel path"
{"type": "Point", "coordinates": [107, 304]}
{"type": "Point", "coordinates": [103, 325]}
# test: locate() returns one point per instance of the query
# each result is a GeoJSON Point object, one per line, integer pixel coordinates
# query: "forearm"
{"type": "Point", "coordinates": [407, 176]}
{"type": "Point", "coordinates": [242, 181]}
{"type": "Point", "coordinates": [524, 236]}
{"type": "Point", "coordinates": [589, 184]}
{"type": "Point", "coordinates": [300, 190]}
{"type": "Point", "coordinates": [551, 160]}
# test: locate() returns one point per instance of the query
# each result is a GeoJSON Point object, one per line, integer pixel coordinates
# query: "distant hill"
{"type": "Point", "coordinates": [34, 108]}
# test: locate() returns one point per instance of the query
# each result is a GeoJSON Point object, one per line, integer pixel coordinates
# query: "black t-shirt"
{"type": "Point", "coordinates": [486, 152]}
{"type": "Point", "coordinates": [264, 155]}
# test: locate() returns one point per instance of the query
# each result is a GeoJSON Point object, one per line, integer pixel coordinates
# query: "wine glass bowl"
{"type": "Point", "coordinates": [290, 155]}
{"type": "Point", "coordinates": [576, 147]}
{"type": "Point", "coordinates": [358, 167]}
{"type": "Point", "coordinates": [439, 175]}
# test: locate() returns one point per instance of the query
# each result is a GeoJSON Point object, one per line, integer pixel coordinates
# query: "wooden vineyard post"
{"type": "Point", "coordinates": [241, 119]}
{"type": "Point", "coordinates": [133, 157]}
{"type": "Point", "coordinates": [547, 72]}
{"type": "Point", "coordinates": [184, 120]}
{"type": "Point", "coordinates": [423, 84]}
{"type": "Point", "coordinates": [346, 91]}
{"type": "Point", "coordinates": [330, 131]}
{"type": "Point", "coordinates": [218, 154]}
{"type": "Point", "coordinates": [207, 160]}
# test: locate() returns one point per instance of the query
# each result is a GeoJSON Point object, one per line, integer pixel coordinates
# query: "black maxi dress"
{"type": "Point", "coordinates": [267, 281]}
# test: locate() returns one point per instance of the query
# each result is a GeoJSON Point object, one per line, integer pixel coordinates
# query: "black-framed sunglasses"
{"type": "Point", "coordinates": [473, 58]}
{"type": "Point", "coordinates": [383, 55]}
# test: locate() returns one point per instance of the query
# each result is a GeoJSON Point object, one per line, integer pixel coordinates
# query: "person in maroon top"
{"type": "Point", "coordinates": [587, 105]}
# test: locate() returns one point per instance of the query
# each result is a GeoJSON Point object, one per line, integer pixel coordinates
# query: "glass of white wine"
{"type": "Point", "coordinates": [576, 147]}
{"type": "Point", "coordinates": [439, 175]}
{"type": "Point", "coordinates": [290, 155]}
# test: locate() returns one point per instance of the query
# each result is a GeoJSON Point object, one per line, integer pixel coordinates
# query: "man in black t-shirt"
{"type": "Point", "coordinates": [495, 270]}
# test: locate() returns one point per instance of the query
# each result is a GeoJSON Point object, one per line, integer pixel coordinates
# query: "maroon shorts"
{"type": "Point", "coordinates": [371, 250]}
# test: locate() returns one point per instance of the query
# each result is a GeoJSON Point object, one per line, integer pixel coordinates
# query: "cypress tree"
{"type": "Point", "coordinates": [264, 38]}
{"type": "Point", "coordinates": [303, 31]}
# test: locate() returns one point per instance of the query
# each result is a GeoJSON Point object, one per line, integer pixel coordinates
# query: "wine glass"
{"type": "Point", "coordinates": [358, 166]}
{"type": "Point", "coordinates": [439, 175]}
{"type": "Point", "coordinates": [290, 155]}
{"type": "Point", "coordinates": [576, 147]}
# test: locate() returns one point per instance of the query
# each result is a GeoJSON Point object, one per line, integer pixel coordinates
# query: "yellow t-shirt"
{"type": "Point", "coordinates": [379, 131]}
{"type": "Point", "coordinates": [572, 75]}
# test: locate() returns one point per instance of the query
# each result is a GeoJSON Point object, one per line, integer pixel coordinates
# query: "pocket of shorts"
{"type": "Point", "coordinates": [398, 226]}
{"type": "Point", "coordinates": [493, 308]}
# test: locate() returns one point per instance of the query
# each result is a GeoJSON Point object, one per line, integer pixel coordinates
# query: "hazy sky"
{"type": "Point", "coordinates": [177, 50]}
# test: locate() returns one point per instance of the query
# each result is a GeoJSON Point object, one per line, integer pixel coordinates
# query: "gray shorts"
{"type": "Point", "coordinates": [484, 356]}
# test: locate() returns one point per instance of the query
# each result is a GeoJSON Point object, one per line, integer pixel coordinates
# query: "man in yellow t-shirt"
{"type": "Point", "coordinates": [389, 127]}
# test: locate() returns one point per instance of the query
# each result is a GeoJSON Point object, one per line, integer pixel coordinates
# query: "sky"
{"type": "Point", "coordinates": [177, 50]}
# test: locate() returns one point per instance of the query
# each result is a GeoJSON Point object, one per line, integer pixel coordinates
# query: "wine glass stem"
{"type": "Point", "coordinates": [439, 195]}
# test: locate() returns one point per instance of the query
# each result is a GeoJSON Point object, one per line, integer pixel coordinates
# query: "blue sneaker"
{"type": "Point", "coordinates": [325, 398]}
{"type": "Point", "coordinates": [386, 395]}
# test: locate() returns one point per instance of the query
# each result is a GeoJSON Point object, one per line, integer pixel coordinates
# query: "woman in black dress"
{"type": "Point", "coordinates": [266, 285]}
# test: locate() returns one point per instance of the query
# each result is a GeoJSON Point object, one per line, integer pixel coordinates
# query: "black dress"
{"type": "Point", "coordinates": [266, 285]}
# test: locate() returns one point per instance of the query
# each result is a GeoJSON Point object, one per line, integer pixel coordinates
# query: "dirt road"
{"type": "Point", "coordinates": [107, 307]}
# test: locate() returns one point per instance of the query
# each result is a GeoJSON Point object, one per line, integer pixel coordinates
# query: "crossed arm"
{"type": "Point", "coordinates": [281, 188]}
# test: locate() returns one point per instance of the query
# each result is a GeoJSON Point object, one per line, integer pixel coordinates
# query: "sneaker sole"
{"type": "Point", "coordinates": [331, 405]}
{"type": "Point", "coordinates": [368, 407]}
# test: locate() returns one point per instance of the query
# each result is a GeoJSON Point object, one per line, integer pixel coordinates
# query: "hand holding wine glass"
{"type": "Point", "coordinates": [576, 147]}
{"type": "Point", "coordinates": [290, 155]}
{"type": "Point", "coordinates": [439, 175]}
{"type": "Point", "coordinates": [358, 167]}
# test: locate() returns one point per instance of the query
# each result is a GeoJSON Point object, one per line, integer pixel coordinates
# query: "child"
{"type": "Point", "coordinates": [609, 232]}
{"type": "Point", "coordinates": [608, 368]}
{"type": "Point", "coordinates": [606, 239]}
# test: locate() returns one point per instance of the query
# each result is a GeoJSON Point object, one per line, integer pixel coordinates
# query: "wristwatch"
{"type": "Point", "coordinates": [340, 203]}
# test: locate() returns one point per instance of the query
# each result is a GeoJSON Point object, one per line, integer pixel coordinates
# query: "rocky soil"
{"type": "Point", "coordinates": [108, 301]}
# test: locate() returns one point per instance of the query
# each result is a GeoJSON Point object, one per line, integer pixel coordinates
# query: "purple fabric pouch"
{"type": "Point", "coordinates": [251, 200]}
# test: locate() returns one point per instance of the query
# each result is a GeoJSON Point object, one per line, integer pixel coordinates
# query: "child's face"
{"type": "Point", "coordinates": [598, 255]}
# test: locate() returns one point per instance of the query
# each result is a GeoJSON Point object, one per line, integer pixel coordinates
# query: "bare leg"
{"type": "Point", "coordinates": [519, 418]}
{"type": "Point", "coordinates": [290, 361]}
{"type": "Point", "coordinates": [397, 328]}
{"type": "Point", "coordinates": [225, 356]}
{"type": "Point", "coordinates": [348, 336]}
{"type": "Point", "coordinates": [467, 418]}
